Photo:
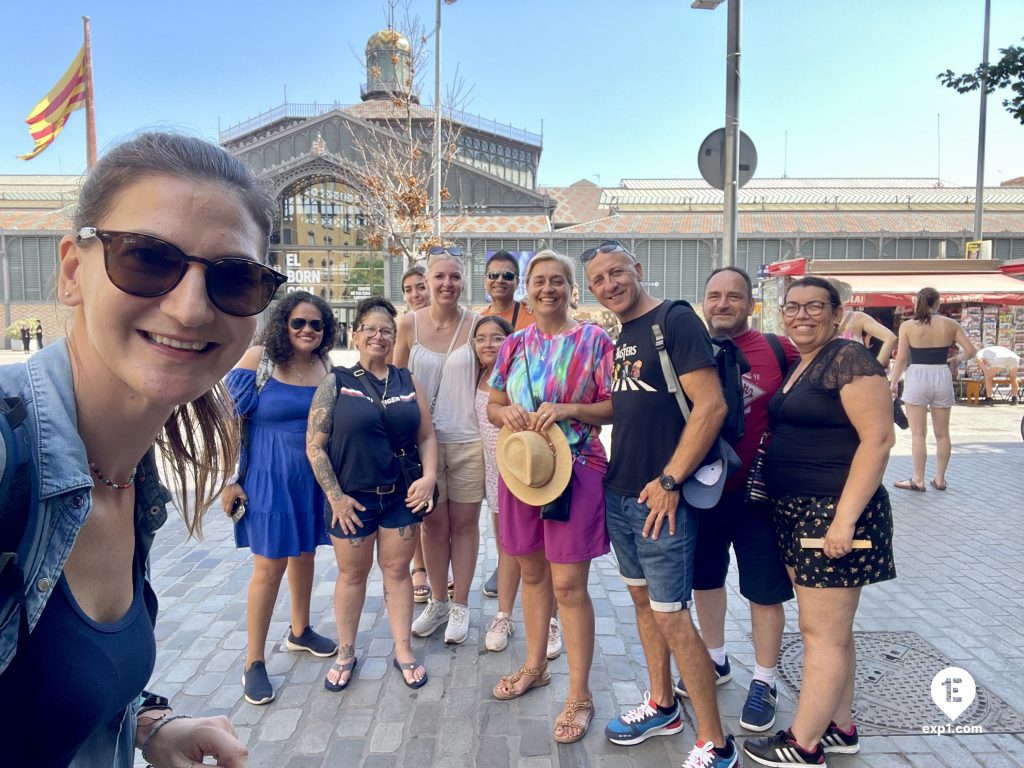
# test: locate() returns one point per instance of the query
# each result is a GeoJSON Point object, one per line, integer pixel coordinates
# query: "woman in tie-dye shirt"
{"type": "Point", "coordinates": [556, 371]}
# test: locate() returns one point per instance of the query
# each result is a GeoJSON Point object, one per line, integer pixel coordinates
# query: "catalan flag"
{"type": "Point", "coordinates": [47, 119]}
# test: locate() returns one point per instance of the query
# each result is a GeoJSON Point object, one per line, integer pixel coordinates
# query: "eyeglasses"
{"type": "Point", "coordinates": [146, 266]}
{"type": "Point", "coordinates": [298, 323]}
{"type": "Point", "coordinates": [496, 338]}
{"type": "Point", "coordinates": [507, 276]}
{"type": "Point", "coordinates": [608, 246]}
{"type": "Point", "coordinates": [451, 250]}
{"type": "Point", "coordinates": [812, 308]}
{"type": "Point", "coordinates": [370, 331]}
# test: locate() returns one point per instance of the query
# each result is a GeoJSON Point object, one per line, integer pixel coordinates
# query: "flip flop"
{"type": "Point", "coordinates": [411, 666]}
{"type": "Point", "coordinates": [909, 485]}
{"type": "Point", "coordinates": [938, 487]}
{"type": "Point", "coordinates": [348, 666]}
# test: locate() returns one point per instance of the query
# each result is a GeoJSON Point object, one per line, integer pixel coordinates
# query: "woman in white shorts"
{"type": "Point", "coordinates": [435, 344]}
{"type": "Point", "coordinates": [924, 346]}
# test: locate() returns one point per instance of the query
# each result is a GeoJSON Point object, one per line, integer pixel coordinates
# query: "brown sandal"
{"type": "Point", "coordinates": [505, 690]}
{"type": "Point", "coordinates": [420, 592]}
{"type": "Point", "coordinates": [572, 706]}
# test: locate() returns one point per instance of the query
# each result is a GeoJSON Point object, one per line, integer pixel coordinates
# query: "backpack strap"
{"type": "Point", "coordinates": [515, 313]}
{"type": "Point", "coordinates": [667, 369]}
{"type": "Point", "coordinates": [780, 353]}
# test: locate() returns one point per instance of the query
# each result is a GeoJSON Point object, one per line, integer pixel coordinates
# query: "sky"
{"type": "Point", "coordinates": [829, 88]}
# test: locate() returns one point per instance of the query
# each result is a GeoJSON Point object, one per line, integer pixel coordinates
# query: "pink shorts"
{"type": "Point", "coordinates": [582, 537]}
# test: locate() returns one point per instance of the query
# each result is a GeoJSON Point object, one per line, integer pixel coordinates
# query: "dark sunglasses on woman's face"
{"type": "Point", "coordinates": [298, 323]}
{"type": "Point", "coordinates": [506, 276]}
{"type": "Point", "coordinates": [146, 266]}
{"type": "Point", "coordinates": [608, 246]}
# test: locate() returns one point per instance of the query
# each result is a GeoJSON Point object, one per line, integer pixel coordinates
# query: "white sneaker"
{"type": "Point", "coordinates": [433, 616]}
{"type": "Point", "coordinates": [498, 633]}
{"type": "Point", "coordinates": [458, 624]}
{"type": "Point", "coordinates": [554, 639]}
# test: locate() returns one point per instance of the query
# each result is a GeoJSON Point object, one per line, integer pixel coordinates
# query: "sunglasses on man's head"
{"type": "Point", "coordinates": [608, 246]}
{"type": "Point", "coordinates": [451, 250]}
{"type": "Point", "coordinates": [298, 323]}
{"type": "Point", "coordinates": [146, 266]}
{"type": "Point", "coordinates": [506, 275]}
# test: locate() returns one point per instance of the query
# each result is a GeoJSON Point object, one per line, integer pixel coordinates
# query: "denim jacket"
{"type": "Point", "coordinates": [65, 499]}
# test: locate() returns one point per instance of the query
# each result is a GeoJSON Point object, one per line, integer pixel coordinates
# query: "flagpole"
{"type": "Point", "coordinates": [90, 104]}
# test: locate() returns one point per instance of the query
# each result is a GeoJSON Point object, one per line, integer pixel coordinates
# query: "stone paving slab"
{"type": "Point", "coordinates": [960, 586]}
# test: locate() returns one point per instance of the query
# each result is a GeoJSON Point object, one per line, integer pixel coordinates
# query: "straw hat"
{"type": "Point", "coordinates": [536, 466]}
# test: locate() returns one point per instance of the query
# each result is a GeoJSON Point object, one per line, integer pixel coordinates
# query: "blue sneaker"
{"type": "Point", "coordinates": [641, 723]}
{"type": "Point", "coordinates": [723, 674]}
{"type": "Point", "coordinates": [704, 755]}
{"type": "Point", "coordinates": [759, 711]}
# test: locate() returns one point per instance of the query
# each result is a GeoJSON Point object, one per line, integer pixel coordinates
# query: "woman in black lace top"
{"type": "Point", "coordinates": [832, 432]}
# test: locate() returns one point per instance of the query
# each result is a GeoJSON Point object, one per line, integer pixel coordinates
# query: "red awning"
{"type": "Point", "coordinates": [896, 290]}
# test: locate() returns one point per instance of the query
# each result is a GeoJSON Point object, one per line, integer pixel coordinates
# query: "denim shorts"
{"type": "Point", "coordinates": [665, 565]}
{"type": "Point", "coordinates": [382, 511]}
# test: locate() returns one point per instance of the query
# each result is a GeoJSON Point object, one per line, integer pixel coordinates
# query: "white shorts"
{"type": "Point", "coordinates": [929, 385]}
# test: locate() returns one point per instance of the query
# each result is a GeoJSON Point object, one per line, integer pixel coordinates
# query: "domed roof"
{"type": "Point", "coordinates": [388, 38]}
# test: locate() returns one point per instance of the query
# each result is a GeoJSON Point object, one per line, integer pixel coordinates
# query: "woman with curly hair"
{"type": "Point", "coordinates": [273, 387]}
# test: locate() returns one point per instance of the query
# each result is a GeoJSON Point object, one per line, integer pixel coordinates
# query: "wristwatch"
{"type": "Point", "coordinates": [668, 482]}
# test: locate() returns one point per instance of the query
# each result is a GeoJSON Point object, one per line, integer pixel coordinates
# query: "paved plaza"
{"type": "Point", "coordinates": [961, 571]}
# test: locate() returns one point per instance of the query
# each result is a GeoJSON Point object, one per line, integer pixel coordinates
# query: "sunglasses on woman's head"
{"type": "Point", "coordinates": [608, 246]}
{"type": "Point", "coordinates": [451, 250]}
{"type": "Point", "coordinates": [146, 266]}
{"type": "Point", "coordinates": [298, 323]}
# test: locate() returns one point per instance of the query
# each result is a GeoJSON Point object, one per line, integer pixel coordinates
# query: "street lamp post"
{"type": "Point", "coordinates": [732, 127]}
{"type": "Point", "coordinates": [437, 116]}
{"type": "Point", "coordinates": [979, 188]}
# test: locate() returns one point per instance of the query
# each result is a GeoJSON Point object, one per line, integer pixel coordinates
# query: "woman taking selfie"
{"type": "Point", "coordinates": [282, 507]}
{"type": "Point", "coordinates": [164, 274]}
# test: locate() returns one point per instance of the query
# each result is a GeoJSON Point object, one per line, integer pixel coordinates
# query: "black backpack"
{"type": "Point", "coordinates": [731, 364]}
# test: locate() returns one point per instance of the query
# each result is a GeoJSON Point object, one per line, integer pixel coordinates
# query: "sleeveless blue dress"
{"type": "Point", "coordinates": [286, 505]}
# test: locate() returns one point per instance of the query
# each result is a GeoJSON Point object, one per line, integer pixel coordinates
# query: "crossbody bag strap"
{"type": "Point", "coordinates": [358, 372]}
{"type": "Point", "coordinates": [669, 371]}
{"type": "Point", "coordinates": [440, 375]}
{"type": "Point", "coordinates": [515, 313]}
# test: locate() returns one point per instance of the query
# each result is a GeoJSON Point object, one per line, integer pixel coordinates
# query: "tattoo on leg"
{"type": "Point", "coordinates": [346, 652]}
{"type": "Point", "coordinates": [386, 593]}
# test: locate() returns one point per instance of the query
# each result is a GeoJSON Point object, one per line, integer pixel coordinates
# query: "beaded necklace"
{"type": "Point", "coordinates": [106, 481]}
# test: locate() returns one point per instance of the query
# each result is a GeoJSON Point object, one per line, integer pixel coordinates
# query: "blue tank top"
{"type": "Point", "coordinates": [75, 666]}
{"type": "Point", "coordinates": [359, 447]}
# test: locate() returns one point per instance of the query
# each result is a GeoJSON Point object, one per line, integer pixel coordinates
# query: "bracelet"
{"type": "Point", "coordinates": [155, 730]}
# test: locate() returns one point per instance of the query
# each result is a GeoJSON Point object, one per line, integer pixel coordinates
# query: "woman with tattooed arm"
{"type": "Point", "coordinates": [360, 419]}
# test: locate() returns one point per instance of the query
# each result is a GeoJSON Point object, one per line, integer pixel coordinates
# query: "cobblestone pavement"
{"type": "Point", "coordinates": [960, 587]}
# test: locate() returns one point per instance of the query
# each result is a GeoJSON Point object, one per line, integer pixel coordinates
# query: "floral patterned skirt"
{"type": "Point", "coordinates": [798, 517]}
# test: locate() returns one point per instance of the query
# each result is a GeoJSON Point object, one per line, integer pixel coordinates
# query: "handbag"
{"type": "Point", "coordinates": [409, 464]}
{"type": "Point", "coordinates": [899, 416]}
{"type": "Point", "coordinates": [756, 491]}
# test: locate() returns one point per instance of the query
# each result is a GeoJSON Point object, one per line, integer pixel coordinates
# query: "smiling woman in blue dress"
{"type": "Point", "coordinates": [272, 387]}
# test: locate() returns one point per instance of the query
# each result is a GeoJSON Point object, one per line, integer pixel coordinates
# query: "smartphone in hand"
{"type": "Point", "coordinates": [238, 509]}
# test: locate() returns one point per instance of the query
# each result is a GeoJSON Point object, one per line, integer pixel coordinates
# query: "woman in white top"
{"type": "Point", "coordinates": [435, 344]}
{"type": "Point", "coordinates": [924, 347]}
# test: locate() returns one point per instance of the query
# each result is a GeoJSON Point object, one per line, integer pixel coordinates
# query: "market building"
{"type": "Point", "coordinates": [306, 154]}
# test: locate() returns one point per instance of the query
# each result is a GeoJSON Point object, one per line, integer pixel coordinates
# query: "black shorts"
{"type": "Point", "coordinates": [751, 531]}
{"type": "Point", "coordinates": [798, 517]}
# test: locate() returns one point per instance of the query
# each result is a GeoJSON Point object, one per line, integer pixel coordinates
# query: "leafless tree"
{"type": "Point", "coordinates": [395, 151]}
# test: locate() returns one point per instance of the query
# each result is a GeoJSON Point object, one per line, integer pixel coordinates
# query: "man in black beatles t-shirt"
{"type": "Point", "coordinates": [653, 530]}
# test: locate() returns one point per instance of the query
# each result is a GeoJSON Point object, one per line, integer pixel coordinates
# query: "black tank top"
{"type": "Point", "coordinates": [359, 447]}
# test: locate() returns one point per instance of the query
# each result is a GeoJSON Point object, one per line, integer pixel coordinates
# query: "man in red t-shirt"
{"type": "Point", "coordinates": [728, 304]}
